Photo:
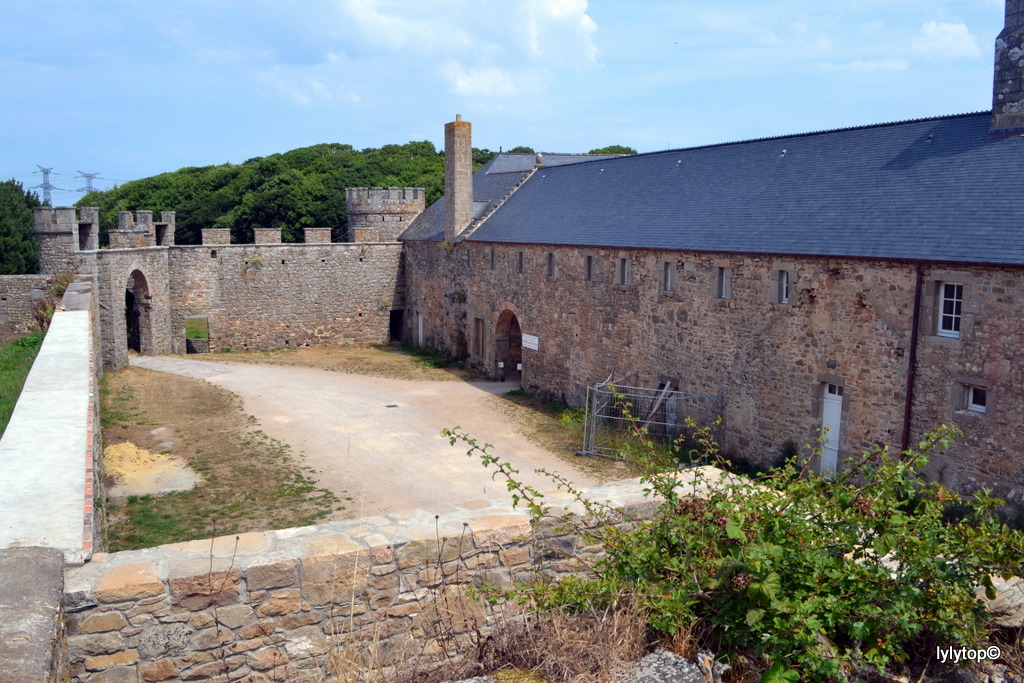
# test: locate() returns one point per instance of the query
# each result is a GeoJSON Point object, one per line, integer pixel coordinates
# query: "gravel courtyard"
{"type": "Point", "coordinates": [379, 439]}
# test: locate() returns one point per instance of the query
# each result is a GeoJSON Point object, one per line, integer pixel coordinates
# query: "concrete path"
{"type": "Point", "coordinates": [379, 440]}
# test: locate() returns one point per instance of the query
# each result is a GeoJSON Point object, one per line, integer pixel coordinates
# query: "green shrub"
{"type": "Point", "coordinates": [815, 579]}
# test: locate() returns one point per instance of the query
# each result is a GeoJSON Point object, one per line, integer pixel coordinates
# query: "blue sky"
{"type": "Point", "coordinates": [132, 88]}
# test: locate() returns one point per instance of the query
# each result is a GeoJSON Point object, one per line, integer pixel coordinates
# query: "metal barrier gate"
{"type": "Point", "coordinates": [614, 412]}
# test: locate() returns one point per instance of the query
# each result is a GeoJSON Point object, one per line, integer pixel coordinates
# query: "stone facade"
{"type": "Point", "coordinates": [378, 214]}
{"type": "Point", "coordinates": [19, 295]}
{"type": "Point", "coordinates": [844, 322]}
{"type": "Point", "coordinates": [287, 295]}
{"type": "Point", "coordinates": [272, 606]}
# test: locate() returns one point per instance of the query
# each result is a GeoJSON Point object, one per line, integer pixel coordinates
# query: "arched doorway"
{"type": "Point", "coordinates": [508, 347]}
{"type": "Point", "coordinates": [137, 309]}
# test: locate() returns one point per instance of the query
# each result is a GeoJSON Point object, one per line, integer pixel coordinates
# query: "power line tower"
{"type": "Point", "coordinates": [45, 186]}
{"type": "Point", "coordinates": [89, 177]}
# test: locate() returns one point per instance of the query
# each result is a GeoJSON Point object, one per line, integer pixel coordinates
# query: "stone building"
{"type": "Point", "coordinates": [865, 280]}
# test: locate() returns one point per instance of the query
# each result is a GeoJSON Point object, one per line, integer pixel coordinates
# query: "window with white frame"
{"type": "Point", "coordinates": [976, 398]}
{"type": "Point", "coordinates": [624, 271]}
{"type": "Point", "coordinates": [951, 302]}
{"type": "Point", "coordinates": [668, 273]}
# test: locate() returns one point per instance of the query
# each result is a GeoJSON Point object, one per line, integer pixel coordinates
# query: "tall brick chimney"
{"type": "Point", "coordinates": [458, 177]}
{"type": "Point", "coordinates": [1008, 80]}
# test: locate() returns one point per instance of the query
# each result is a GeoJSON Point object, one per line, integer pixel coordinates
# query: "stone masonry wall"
{"type": "Point", "coordinates": [146, 272]}
{"type": "Point", "coordinates": [988, 354]}
{"type": "Point", "coordinates": [769, 360]}
{"type": "Point", "coordinates": [18, 297]}
{"type": "Point", "coordinates": [271, 606]}
{"type": "Point", "coordinates": [847, 323]}
{"type": "Point", "coordinates": [287, 295]}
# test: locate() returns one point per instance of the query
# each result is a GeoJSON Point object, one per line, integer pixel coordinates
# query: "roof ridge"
{"type": "Point", "coordinates": [791, 136]}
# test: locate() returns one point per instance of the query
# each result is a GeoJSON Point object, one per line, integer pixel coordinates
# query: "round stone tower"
{"type": "Point", "coordinates": [380, 214]}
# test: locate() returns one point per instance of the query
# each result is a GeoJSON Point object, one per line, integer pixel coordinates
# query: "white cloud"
{"type": "Point", "coordinates": [945, 40]}
{"type": "Point", "coordinates": [491, 49]}
{"type": "Point", "coordinates": [482, 81]}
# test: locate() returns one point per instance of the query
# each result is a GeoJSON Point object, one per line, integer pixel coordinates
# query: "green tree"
{"type": "Point", "coordinates": [19, 252]}
{"type": "Point", "coordinates": [520, 150]}
{"type": "Point", "coordinates": [613, 149]}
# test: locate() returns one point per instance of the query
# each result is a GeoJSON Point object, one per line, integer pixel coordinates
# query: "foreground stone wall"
{"type": "Point", "coordinates": [273, 606]}
{"type": "Point", "coordinates": [845, 322]}
{"type": "Point", "coordinates": [33, 644]}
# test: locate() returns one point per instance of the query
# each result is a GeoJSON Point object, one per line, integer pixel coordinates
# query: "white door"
{"type": "Point", "coordinates": [831, 422]}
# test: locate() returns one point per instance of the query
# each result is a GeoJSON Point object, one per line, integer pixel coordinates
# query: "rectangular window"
{"type": "Point", "coordinates": [724, 285]}
{"type": "Point", "coordinates": [782, 295]}
{"type": "Point", "coordinates": [469, 257]}
{"type": "Point", "coordinates": [588, 268]}
{"type": "Point", "coordinates": [951, 301]}
{"type": "Point", "coordinates": [668, 273]}
{"type": "Point", "coordinates": [977, 398]}
{"type": "Point", "coordinates": [551, 264]}
{"type": "Point", "coordinates": [478, 336]}
{"type": "Point", "coordinates": [624, 271]}
{"type": "Point", "coordinates": [519, 262]}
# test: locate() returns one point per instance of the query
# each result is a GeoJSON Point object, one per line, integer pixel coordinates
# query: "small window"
{"type": "Point", "coordinates": [519, 262]}
{"type": "Point", "coordinates": [624, 271]}
{"type": "Point", "coordinates": [951, 301]}
{"type": "Point", "coordinates": [551, 264]}
{"type": "Point", "coordinates": [213, 253]}
{"type": "Point", "coordinates": [668, 273]}
{"type": "Point", "coordinates": [977, 399]}
{"type": "Point", "coordinates": [492, 258]}
{"type": "Point", "coordinates": [588, 268]}
{"type": "Point", "coordinates": [724, 285]}
{"type": "Point", "coordinates": [469, 257]}
{"type": "Point", "coordinates": [833, 390]}
{"type": "Point", "coordinates": [782, 287]}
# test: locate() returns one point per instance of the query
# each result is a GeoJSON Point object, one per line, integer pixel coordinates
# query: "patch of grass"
{"type": "Point", "coordinates": [15, 361]}
{"type": "Point", "coordinates": [370, 360]}
{"type": "Point", "coordinates": [250, 481]}
{"type": "Point", "coordinates": [555, 426]}
{"type": "Point", "coordinates": [197, 328]}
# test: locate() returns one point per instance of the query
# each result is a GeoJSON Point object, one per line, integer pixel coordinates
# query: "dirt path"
{"type": "Point", "coordinates": [379, 439]}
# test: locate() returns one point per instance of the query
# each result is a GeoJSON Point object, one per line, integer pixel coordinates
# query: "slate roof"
{"type": "Point", "coordinates": [937, 189]}
{"type": "Point", "coordinates": [491, 183]}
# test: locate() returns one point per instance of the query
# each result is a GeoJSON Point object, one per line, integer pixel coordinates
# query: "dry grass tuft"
{"type": "Point", "coordinates": [595, 647]}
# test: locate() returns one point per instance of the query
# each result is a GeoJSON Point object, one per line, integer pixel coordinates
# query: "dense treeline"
{"type": "Point", "coordinates": [301, 188]}
{"type": "Point", "coordinates": [19, 252]}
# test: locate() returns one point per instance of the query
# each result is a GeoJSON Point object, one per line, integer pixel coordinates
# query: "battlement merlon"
{"type": "Point", "coordinates": [142, 231]}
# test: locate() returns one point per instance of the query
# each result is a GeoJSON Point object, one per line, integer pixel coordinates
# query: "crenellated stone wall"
{"type": "Point", "coordinates": [273, 605]}
{"type": "Point", "coordinates": [285, 295]}
{"type": "Point", "coordinates": [380, 214]}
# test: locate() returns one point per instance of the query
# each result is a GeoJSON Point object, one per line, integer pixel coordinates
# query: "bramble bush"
{"type": "Point", "coordinates": [811, 578]}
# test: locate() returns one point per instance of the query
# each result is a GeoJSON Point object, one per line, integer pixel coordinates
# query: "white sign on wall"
{"type": "Point", "coordinates": [531, 341]}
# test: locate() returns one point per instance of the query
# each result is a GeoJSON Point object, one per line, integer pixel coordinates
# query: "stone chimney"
{"type": "Point", "coordinates": [458, 177]}
{"type": "Point", "coordinates": [1008, 80]}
